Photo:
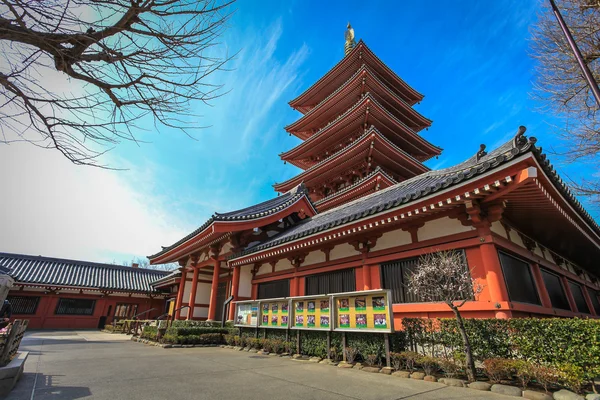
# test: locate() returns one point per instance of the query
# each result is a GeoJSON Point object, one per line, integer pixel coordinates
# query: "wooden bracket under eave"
{"type": "Point", "coordinates": [523, 177]}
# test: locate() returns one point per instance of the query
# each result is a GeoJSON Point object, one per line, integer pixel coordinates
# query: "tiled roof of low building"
{"type": "Point", "coordinates": [422, 185]}
{"type": "Point", "coordinates": [259, 210]}
{"type": "Point", "coordinates": [38, 270]}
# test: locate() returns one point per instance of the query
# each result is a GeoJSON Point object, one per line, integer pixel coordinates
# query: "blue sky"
{"type": "Point", "coordinates": [469, 58]}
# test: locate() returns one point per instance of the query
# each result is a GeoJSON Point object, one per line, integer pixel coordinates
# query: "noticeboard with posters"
{"type": "Point", "coordinates": [366, 311]}
{"type": "Point", "coordinates": [274, 313]}
{"type": "Point", "coordinates": [246, 313]}
{"type": "Point", "coordinates": [311, 312]}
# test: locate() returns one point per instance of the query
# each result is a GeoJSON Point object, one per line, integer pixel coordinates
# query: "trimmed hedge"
{"type": "Point", "coordinates": [204, 338]}
{"type": "Point", "coordinates": [555, 342]}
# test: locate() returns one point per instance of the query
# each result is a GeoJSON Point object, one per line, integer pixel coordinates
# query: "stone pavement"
{"type": "Point", "coordinates": [80, 364]}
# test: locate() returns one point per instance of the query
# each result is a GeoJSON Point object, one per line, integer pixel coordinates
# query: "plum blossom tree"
{"type": "Point", "coordinates": [444, 276]}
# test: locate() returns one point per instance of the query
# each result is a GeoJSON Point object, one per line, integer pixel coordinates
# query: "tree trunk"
{"type": "Point", "coordinates": [471, 373]}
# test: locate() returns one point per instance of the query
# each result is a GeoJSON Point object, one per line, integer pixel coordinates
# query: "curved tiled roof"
{"type": "Point", "coordinates": [422, 185]}
{"type": "Point", "coordinates": [38, 270]}
{"type": "Point", "coordinates": [259, 210]}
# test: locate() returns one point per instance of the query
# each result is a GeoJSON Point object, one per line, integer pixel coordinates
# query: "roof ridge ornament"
{"type": "Point", "coordinates": [520, 140]}
{"type": "Point", "coordinates": [481, 153]}
{"type": "Point", "coordinates": [350, 42]}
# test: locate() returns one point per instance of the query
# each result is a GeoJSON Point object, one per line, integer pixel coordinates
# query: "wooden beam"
{"type": "Point", "coordinates": [522, 178]}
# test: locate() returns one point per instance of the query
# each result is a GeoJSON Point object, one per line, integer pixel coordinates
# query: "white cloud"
{"type": "Point", "coordinates": [51, 207]}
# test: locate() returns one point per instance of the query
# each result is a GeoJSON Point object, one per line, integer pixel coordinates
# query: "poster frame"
{"type": "Point", "coordinates": [257, 316]}
{"type": "Point", "coordinates": [388, 294]}
{"type": "Point", "coordinates": [260, 312]}
{"type": "Point", "coordinates": [316, 297]}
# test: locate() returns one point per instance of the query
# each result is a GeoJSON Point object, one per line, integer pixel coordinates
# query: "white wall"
{"type": "Point", "coordinates": [203, 293]}
{"type": "Point", "coordinates": [392, 239]}
{"type": "Point", "coordinates": [314, 257]}
{"type": "Point", "coordinates": [200, 312]}
{"type": "Point", "coordinates": [342, 251]}
{"type": "Point", "coordinates": [282, 265]}
{"type": "Point", "coordinates": [498, 229]}
{"type": "Point", "coordinates": [264, 269]}
{"type": "Point", "coordinates": [245, 289]}
{"type": "Point", "coordinates": [442, 227]}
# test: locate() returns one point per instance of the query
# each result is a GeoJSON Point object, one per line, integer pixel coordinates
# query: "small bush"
{"type": "Point", "coordinates": [429, 364]}
{"type": "Point", "coordinates": [351, 353]}
{"type": "Point", "coordinates": [571, 376]}
{"type": "Point", "coordinates": [450, 368]}
{"type": "Point", "coordinates": [397, 361]}
{"type": "Point", "coordinates": [371, 359]}
{"type": "Point", "coordinates": [497, 369]}
{"type": "Point", "coordinates": [524, 371]}
{"type": "Point", "coordinates": [546, 376]}
{"type": "Point", "coordinates": [409, 360]}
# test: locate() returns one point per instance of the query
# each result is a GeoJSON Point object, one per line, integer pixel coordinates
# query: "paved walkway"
{"type": "Point", "coordinates": [74, 365]}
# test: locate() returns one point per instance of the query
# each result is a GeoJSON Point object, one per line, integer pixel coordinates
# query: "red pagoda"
{"type": "Point", "coordinates": [359, 131]}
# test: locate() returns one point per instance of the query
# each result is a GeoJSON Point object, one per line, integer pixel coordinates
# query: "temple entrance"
{"type": "Point", "coordinates": [221, 297]}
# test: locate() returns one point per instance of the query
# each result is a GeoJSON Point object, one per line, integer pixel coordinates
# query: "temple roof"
{"type": "Point", "coordinates": [46, 271]}
{"type": "Point", "coordinates": [394, 129]}
{"type": "Point", "coordinates": [252, 213]}
{"type": "Point", "coordinates": [360, 55]}
{"type": "Point", "coordinates": [338, 160]}
{"type": "Point", "coordinates": [363, 81]}
{"type": "Point", "coordinates": [420, 186]}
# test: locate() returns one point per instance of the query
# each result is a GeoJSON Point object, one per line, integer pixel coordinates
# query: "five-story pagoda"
{"type": "Point", "coordinates": [359, 131]}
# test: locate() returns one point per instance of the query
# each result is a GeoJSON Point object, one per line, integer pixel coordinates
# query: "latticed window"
{"type": "Point", "coordinates": [580, 302]}
{"type": "Point", "coordinates": [395, 276]}
{"type": "Point", "coordinates": [594, 297]}
{"type": "Point", "coordinates": [24, 304]}
{"type": "Point", "coordinates": [518, 278]}
{"type": "Point", "coordinates": [274, 289]}
{"type": "Point", "coordinates": [75, 307]}
{"type": "Point", "coordinates": [555, 289]}
{"type": "Point", "coordinates": [331, 282]}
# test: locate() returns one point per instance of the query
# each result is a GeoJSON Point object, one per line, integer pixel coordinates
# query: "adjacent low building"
{"type": "Point", "coordinates": [365, 208]}
{"type": "Point", "coordinates": [54, 293]}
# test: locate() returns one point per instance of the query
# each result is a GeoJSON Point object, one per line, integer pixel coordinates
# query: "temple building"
{"type": "Point", "coordinates": [364, 208]}
{"type": "Point", "coordinates": [56, 293]}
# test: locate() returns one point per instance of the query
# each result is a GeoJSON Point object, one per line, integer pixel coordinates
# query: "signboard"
{"type": "Point", "coordinates": [366, 311]}
{"type": "Point", "coordinates": [274, 313]}
{"type": "Point", "coordinates": [246, 313]}
{"type": "Point", "coordinates": [311, 312]}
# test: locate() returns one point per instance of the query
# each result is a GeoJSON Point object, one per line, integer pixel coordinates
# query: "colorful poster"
{"type": "Point", "coordinates": [310, 321]}
{"type": "Point", "coordinates": [311, 306]}
{"type": "Point", "coordinates": [344, 305]}
{"type": "Point", "coordinates": [324, 306]}
{"type": "Point", "coordinates": [265, 308]}
{"type": "Point", "coordinates": [284, 308]}
{"type": "Point", "coordinates": [270, 314]}
{"type": "Point", "coordinates": [265, 319]}
{"type": "Point", "coordinates": [274, 308]}
{"type": "Point", "coordinates": [360, 304]}
{"type": "Point", "coordinates": [300, 320]}
{"type": "Point", "coordinates": [378, 303]}
{"type": "Point", "coordinates": [344, 321]}
{"type": "Point", "coordinates": [284, 320]}
{"type": "Point", "coordinates": [274, 320]}
{"type": "Point", "coordinates": [300, 306]}
{"type": "Point", "coordinates": [324, 321]}
{"type": "Point", "coordinates": [365, 311]}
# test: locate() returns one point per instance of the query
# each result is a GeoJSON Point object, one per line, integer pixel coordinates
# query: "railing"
{"type": "Point", "coordinates": [9, 342]}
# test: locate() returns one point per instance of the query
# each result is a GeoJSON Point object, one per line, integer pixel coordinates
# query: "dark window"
{"type": "Point", "coordinates": [274, 289]}
{"type": "Point", "coordinates": [331, 282]}
{"type": "Point", "coordinates": [519, 281]}
{"type": "Point", "coordinates": [23, 304]}
{"type": "Point", "coordinates": [75, 307]}
{"type": "Point", "coordinates": [395, 276]}
{"type": "Point", "coordinates": [595, 302]}
{"type": "Point", "coordinates": [555, 289]}
{"type": "Point", "coordinates": [580, 302]}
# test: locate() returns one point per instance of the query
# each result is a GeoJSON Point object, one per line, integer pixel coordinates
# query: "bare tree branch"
{"type": "Point", "coordinates": [128, 59]}
{"type": "Point", "coordinates": [562, 86]}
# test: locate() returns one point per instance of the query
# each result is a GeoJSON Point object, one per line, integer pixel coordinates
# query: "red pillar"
{"type": "Point", "coordinates": [180, 291]}
{"type": "Point", "coordinates": [539, 280]}
{"type": "Point", "coordinates": [235, 285]}
{"type": "Point", "coordinates": [366, 273]}
{"type": "Point", "coordinates": [212, 306]}
{"type": "Point", "coordinates": [493, 275]}
{"type": "Point", "coordinates": [569, 294]}
{"type": "Point", "coordinates": [192, 301]}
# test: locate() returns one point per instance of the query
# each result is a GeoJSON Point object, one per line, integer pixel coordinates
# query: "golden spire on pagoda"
{"type": "Point", "coordinates": [350, 42]}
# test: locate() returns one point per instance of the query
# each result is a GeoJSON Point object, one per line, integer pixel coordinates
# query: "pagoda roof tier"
{"type": "Point", "coordinates": [363, 81]}
{"type": "Point", "coordinates": [333, 79]}
{"type": "Point", "coordinates": [220, 225]}
{"type": "Point", "coordinates": [351, 124]}
{"type": "Point", "coordinates": [372, 148]}
{"type": "Point", "coordinates": [376, 180]}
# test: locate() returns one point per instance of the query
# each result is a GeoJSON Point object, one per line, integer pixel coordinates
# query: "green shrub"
{"type": "Point", "coordinates": [397, 361]}
{"type": "Point", "coordinates": [571, 376]}
{"type": "Point", "coordinates": [196, 324]}
{"type": "Point", "coordinates": [195, 330]}
{"type": "Point", "coordinates": [450, 368]}
{"type": "Point", "coordinates": [205, 338]}
{"type": "Point", "coordinates": [429, 364]}
{"type": "Point", "coordinates": [149, 332]}
{"type": "Point", "coordinates": [409, 359]}
{"type": "Point", "coordinates": [351, 354]}
{"type": "Point", "coordinates": [524, 371]}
